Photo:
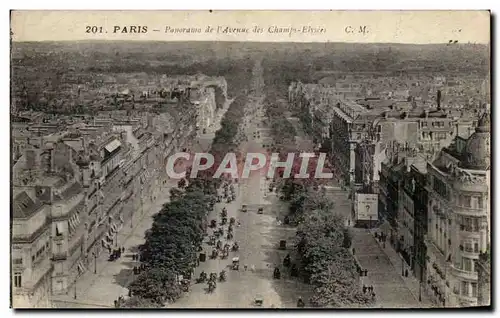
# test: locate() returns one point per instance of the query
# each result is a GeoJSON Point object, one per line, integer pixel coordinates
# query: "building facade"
{"type": "Point", "coordinates": [459, 218]}
{"type": "Point", "coordinates": [75, 187]}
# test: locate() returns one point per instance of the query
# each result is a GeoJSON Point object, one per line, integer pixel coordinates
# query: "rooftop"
{"type": "Point", "coordinates": [24, 206]}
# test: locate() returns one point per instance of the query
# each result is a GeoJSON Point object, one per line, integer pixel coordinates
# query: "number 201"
{"type": "Point", "coordinates": [93, 29]}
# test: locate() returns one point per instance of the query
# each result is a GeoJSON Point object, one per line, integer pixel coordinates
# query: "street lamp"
{"type": "Point", "coordinates": [95, 261]}
{"type": "Point", "coordinates": [420, 284]}
{"type": "Point", "coordinates": [74, 296]}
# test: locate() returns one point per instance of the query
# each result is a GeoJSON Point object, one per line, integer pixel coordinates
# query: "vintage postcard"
{"type": "Point", "coordinates": [250, 159]}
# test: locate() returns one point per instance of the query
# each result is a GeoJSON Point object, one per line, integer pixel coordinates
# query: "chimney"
{"type": "Point", "coordinates": [438, 99]}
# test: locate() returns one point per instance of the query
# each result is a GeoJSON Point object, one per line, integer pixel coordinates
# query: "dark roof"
{"type": "Point", "coordinates": [24, 207]}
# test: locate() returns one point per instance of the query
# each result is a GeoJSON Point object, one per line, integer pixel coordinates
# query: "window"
{"type": "Point", "coordinates": [474, 289]}
{"type": "Point", "coordinates": [476, 247]}
{"type": "Point", "coordinates": [465, 201]}
{"type": "Point", "coordinates": [17, 280]}
{"type": "Point", "coordinates": [58, 231]}
{"type": "Point", "coordinates": [476, 202]}
{"type": "Point", "coordinates": [468, 247]}
{"type": "Point", "coordinates": [467, 264]}
{"type": "Point", "coordinates": [59, 268]}
{"type": "Point", "coordinates": [17, 261]}
{"type": "Point", "coordinates": [465, 289]}
{"type": "Point", "coordinates": [424, 124]}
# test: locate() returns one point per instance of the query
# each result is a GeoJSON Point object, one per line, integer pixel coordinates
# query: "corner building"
{"type": "Point", "coordinates": [459, 218]}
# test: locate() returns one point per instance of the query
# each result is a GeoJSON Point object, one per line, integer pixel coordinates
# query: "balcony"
{"type": "Point", "coordinates": [434, 249]}
{"type": "Point", "coordinates": [462, 273]}
{"type": "Point", "coordinates": [469, 211]}
{"type": "Point", "coordinates": [59, 256]}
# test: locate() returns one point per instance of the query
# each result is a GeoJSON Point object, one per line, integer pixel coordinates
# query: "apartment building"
{"type": "Point", "coordinates": [459, 223]}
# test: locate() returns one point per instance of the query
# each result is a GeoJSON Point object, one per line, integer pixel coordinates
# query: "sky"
{"type": "Point", "coordinates": [418, 27]}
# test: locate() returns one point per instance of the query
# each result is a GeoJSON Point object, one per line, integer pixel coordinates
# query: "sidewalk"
{"type": "Point", "coordinates": [390, 289]}
{"type": "Point", "coordinates": [396, 260]}
{"type": "Point", "coordinates": [112, 278]}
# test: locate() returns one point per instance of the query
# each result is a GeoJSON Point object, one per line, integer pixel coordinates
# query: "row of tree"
{"type": "Point", "coordinates": [323, 243]}
{"type": "Point", "coordinates": [171, 245]}
{"type": "Point", "coordinates": [283, 131]}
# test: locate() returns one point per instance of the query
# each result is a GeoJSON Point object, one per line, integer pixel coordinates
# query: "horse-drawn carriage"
{"type": "Point", "coordinates": [213, 224]}
{"type": "Point", "coordinates": [224, 213]}
{"type": "Point", "coordinates": [235, 247]}
{"type": "Point", "coordinates": [202, 278]}
{"type": "Point", "coordinates": [211, 286]}
{"type": "Point", "coordinates": [222, 276]}
{"type": "Point", "coordinates": [185, 284]}
{"type": "Point", "coordinates": [287, 260]}
{"type": "Point", "coordinates": [276, 273]}
{"type": "Point", "coordinates": [215, 253]}
{"type": "Point", "coordinates": [236, 263]}
{"type": "Point", "coordinates": [212, 240]}
{"type": "Point", "coordinates": [225, 254]}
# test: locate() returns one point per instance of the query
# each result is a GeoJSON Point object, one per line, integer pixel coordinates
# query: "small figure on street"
{"type": "Point", "coordinates": [353, 251]}
{"type": "Point", "coordinates": [245, 267]}
{"type": "Point", "coordinates": [123, 249]}
{"type": "Point", "coordinates": [129, 293]}
{"type": "Point", "coordinates": [364, 289]}
{"type": "Point", "coordinates": [406, 273]}
{"type": "Point", "coordinates": [300, 303]}
{"type": "Point", "coordinates": [252, 268]}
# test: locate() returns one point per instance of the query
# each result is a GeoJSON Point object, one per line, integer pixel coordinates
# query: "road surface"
{"type": "Point", "coordinates": [258, 238]}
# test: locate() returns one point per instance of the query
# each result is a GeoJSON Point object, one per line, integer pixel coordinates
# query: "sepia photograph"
{"type": "Point", "coordinates": [250, 159]}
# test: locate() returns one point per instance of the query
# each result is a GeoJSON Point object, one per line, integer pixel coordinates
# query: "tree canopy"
{"type": "Point", "coordinates": [170, 247]}
{"type": "Point", "coordinates": [322, 242]}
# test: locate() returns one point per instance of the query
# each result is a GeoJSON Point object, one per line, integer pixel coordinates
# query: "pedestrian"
{"type": "Point", "coordinates": [376, 235]}
{"type": "Point", "coordinates": [252, 268]}
{"type": "Point", "coordinates": [129, 293]}
{"type": "Point", "coordinates": [364, 289]}
{"type": "Point", "coordinates": [245, 267]}
{"type": "Point", "coordinates": [353, 251]}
